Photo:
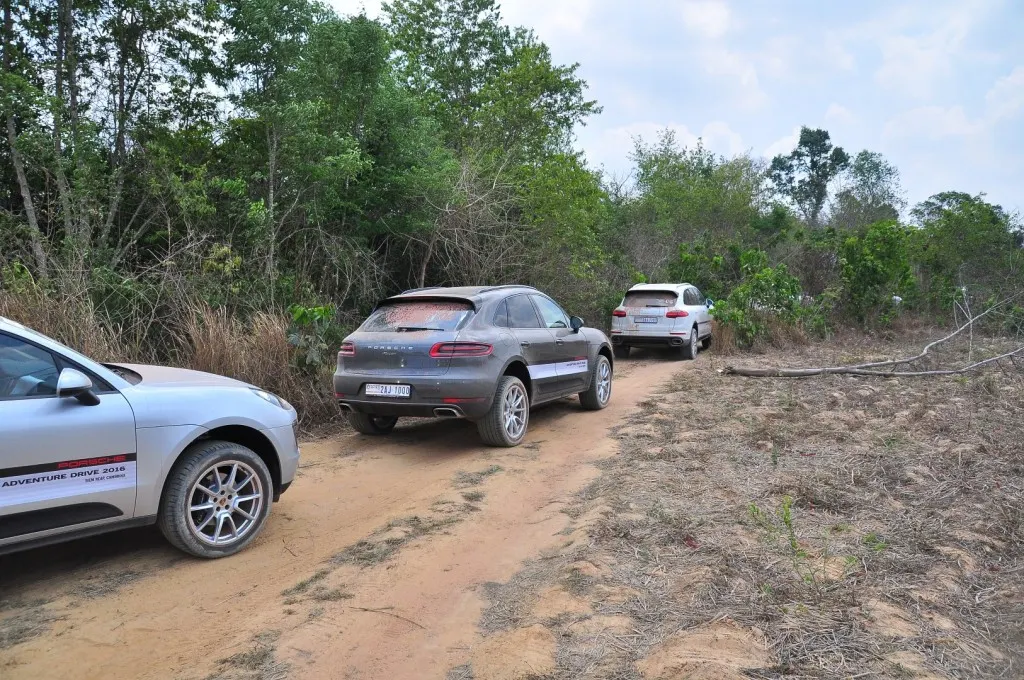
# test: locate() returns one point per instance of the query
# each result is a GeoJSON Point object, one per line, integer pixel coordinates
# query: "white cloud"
{"type": "Point", "coordinates": [916, 64]}
{"type": "Point", "coordinates": [783, 145]}
{"type": "Point", "coordinates": [838, 114]}
{"type": "Point", "coordinates": [932, 123]}
{"type": "Point", "coordinates": [549, 18]}
{"type": "Point", "coordinates": [733, 66]}
{"type": "Point", "coordinates": [709, 18]}
{"type": "Point", "coordinates": [1006, 98]}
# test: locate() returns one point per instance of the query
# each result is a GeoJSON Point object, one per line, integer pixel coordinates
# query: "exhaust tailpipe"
{"type": "Point", "coordinates": [447, 412]}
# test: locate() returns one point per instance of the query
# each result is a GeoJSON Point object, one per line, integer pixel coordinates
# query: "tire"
{"type": "Point", "coordinates": [367, 423]}
{"type": "Point", "coordinates": [494, 428]}
{"type": "Point", "coordinates": [621, 351]}
{"type": "Point", "coordinates": [600, 392]}
{"type": "Point", "coordinates": [706, 343]}
{"type": "Point", "coordinates": [242, 505]}
{"type": "Point", "coordinates": [690, 348]}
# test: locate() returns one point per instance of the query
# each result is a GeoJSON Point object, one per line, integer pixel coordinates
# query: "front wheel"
{"type": "Point", "coordinates": [600, 392]}
{"type": "Point", "coordinates": [505, 424]}
{"type": "Point", "coordinates": [706, 343]}
{"type": "Point", "coordinates": [366, 423]}
{"type": "Point", "coordinates": [216, 499]}
{"type": "Point", "coordinates": [690, 348]}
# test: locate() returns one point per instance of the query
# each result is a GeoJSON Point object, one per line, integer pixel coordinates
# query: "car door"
{"type": "Point", "coordinates": [63, 464]}
{"type": "Point", "coordinates": [537, 345]}
{"type": "Point", "coordinates": [693, 308]}
{"type": "Point", "coordinates": [571, 347]}
{"type": "Point", "coordinates": [703, 314]}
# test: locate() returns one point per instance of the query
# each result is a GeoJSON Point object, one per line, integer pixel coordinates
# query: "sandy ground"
{"type": "Point", "coordinates": [371, 566]}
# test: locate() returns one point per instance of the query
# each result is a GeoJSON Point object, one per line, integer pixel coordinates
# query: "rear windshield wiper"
{"type": "Point", "coordinates": [413, 329]}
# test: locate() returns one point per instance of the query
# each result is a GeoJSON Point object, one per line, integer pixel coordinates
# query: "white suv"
{"type": "Point", "coordinates": [673, 315]}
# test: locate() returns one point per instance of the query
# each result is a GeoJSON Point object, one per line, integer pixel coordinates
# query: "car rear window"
{"type": "Point", "coordinates": [650, 298]}
{"type": "Point", "coordinates": [418, 315]}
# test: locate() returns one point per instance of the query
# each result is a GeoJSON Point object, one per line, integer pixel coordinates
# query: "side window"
{"type": "Point", "coordinates": [521, 313]}
{"type": "Point", "coordinates": [550, 313]}
{"type": "Point", "coordinates": [690, 296]}
{"type": "Point", "coordinates": [25, 370]}
{"type": "Point", "coordinates": [700, 296]}
{"type": "Point", "coordinates": [501, 315]}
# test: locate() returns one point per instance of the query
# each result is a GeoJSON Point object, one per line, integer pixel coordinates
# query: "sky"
{"type": "Point", "coordinates": [937, 86]}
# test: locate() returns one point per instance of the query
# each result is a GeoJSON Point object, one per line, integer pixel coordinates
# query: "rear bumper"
{"type": "Point", "coordinates": [431, 397]}
{"type": "Point", "coordinates": [630, 340]}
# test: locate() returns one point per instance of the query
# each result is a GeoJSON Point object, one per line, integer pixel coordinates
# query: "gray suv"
{"type": "Point", "coordinates": [487, 354]}
{"type": "Point", "coordinates": [87, 448]}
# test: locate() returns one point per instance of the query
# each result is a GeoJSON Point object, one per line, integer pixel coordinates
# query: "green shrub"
{"type": "Point", "coordinates": [765, 298]}
{"type": "Point", "coordinates": [875, 267]}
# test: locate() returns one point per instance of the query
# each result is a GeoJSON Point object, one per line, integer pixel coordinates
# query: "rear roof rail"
{"type": "Point", "coordinates": [506, 286]}
{"type": "Point", "coordinates": [416, 290]}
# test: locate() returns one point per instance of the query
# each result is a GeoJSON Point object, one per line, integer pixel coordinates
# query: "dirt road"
{"type": "Point", "coordinates": [371, 566]}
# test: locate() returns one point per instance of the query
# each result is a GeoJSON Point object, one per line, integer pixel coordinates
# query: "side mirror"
{"type": "Point", "coordinates": [75, 384]}
{"type": "Point", "coordinates": [710, 303]}
{"type": "Point", "coordinates": [575, 323]}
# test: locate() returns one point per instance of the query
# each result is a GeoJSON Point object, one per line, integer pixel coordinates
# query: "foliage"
{"type": "Point", "coordinates": [804, 175]}
{"type": "Point", "coordinates": [764, 296]}
{"type": "Point", "coordinates": [875, 269]}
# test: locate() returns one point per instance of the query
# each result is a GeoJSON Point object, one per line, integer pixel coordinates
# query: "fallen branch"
{"type": "Point", "coordinates": [871, 368]}
{"type": "Point", "coordinates": [855, 370]}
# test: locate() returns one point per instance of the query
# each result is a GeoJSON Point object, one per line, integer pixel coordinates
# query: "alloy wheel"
{"type": "Point", "coordinates": [604, 382]}
{"type": "Point", "coordinates": [513, 412]}
{"type": "Point", "coordinates": [225, 503]}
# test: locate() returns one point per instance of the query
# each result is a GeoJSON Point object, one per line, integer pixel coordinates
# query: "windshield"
{"type": "Point", "coordinates": [418, 315]}
{"type": "Point", "coordinates": [650, 298]}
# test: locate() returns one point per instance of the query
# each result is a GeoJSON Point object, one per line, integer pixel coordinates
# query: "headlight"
{"type": "Point", "coordinates": [272, 398]}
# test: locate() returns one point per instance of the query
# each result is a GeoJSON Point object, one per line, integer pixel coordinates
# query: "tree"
{"type": "Point", "coordinates": [487, 85]}
{"type": "Point", "coordinates": [872, 192]}
{"type": "Point", "coordinates": [804, 175]}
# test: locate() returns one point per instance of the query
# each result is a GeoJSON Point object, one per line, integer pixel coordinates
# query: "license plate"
{"type": "Point", "coordinates": [645, 319]}
{"type": "Point", "coordinates": [390, 391]}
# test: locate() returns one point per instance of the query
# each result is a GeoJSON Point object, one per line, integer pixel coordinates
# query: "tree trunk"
{"type": "Point", "coordinates": [271, 179]}
{"type": "Point", "coordinates": [36, 236]}
{"type": "Point", "coordinates": [65, 36]}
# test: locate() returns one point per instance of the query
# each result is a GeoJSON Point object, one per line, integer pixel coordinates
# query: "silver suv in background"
{"type": "Point", "coordinates": [487, 354]}
{"type": "Point", "coordinates": [675, 315]}
{"type": "Point", "coordinates": [87, 448]}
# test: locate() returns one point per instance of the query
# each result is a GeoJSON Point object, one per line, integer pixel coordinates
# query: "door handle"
{"type": "Point", "coordinates": [524, 344]}
{"type": "Point", "coordinates": [559, 341]}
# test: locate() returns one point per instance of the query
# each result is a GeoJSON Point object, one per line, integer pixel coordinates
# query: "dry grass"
{"type": "Point", "coordinates": [188, 333]}
{"type": "Point", "coordinates": [850, 527]}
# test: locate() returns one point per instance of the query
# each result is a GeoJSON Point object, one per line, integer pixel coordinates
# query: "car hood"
{"type": "Point", "coordinates": [166, 376]}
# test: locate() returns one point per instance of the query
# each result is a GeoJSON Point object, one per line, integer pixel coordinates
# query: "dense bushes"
{"type": "Point", "coordinates": [256, 194]}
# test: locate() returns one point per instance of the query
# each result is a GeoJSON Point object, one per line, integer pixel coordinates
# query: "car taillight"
{"type": "Point", "coordinates": [449, 350]}
{"type": "Point", "coordinates": [348, 349]}
{"type": "Point", "coordinates": [619, 312]}
{"type": "Point", "coordinates": [676, 314]}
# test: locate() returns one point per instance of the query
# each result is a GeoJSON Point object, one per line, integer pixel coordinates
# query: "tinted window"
{"type": "Point", "coordinates": [650, 298]}
{"type": "Point", "coordinates": [550, 313]}
{"type": "Point", "coordinates": [700, 296]}
{"type": "Point", "coordinates": [417, 315]}
{"type": "Point", "coordinates": [690, 297]}
{"type": "Point", "coordinates": [521, 313]}
{"type": "Point", "coordinates": [501, 315]}
{"type": "Point", "coordinates": [25, 370]}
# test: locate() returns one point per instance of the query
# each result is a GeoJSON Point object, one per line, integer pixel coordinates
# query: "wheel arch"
{"type": "Point", "coordinates": [243, 435]}
{"type": "Point", "coordinates": [518, 368]}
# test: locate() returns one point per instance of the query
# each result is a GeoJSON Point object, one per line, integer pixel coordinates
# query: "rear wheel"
{"type": "Point", "coordinates": [621, 351]}
{"type": "Point", "coordinates": [690, 348]}
{"type": "Point", "coordinates": [367, 423]}
{"type": "Point", "coordinates": [216, 499]}
{"type": "Point", "coordinates": [600, 392]}
{"type": "Point", "coordinates": [505, 424]}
